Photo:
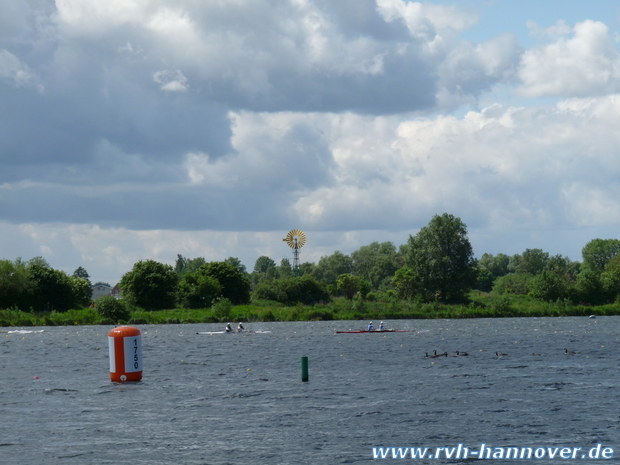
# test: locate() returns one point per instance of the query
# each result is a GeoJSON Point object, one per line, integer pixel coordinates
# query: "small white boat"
{"type": "Point", "coordinates": [258, 331]}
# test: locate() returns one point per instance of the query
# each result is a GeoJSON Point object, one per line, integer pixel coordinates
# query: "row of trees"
{"type": "Point", "coordinates": [594, 281]}
{"type": "Point", "coordinates": [33, 284]}
{"type": "Point", "coordinates": [437, 264]}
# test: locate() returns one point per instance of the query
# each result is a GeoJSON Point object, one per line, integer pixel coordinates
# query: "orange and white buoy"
{"type": "Point", "coordinates": [125, 344]}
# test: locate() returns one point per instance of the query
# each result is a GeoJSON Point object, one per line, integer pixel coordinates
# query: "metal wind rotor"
{"type": "Point", "coordinates": [295, 239]}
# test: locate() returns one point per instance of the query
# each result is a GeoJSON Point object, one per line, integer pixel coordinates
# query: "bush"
{"type": "Point", "coordinates": [502, 306]}
{"type": "Point", "coordinates": [112, 309]}
{"type": "Point", "coordinates": [267, 315]}
{"type": "Point", "coordinates": [316, 315]}
{"type": "Point", "coordinates": [222, 308]}
{"type": "Point", "coordinates": [198, 290]}
{"type": "Point", "coordinates": [305, 290]}
{"type": "Point", "coordinates": [548, 286]}
{"type": "Point", "coordinates": [513, 283]}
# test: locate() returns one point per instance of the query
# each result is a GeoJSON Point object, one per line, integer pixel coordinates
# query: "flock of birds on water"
{"type": "Point", "coordinates": [499, 354]}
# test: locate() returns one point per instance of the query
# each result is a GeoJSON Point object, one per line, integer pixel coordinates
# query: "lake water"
{"type": "Point", "coordinates": [239, 398]}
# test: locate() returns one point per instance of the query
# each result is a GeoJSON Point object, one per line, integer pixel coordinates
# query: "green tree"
{"type": "Point", "coordinates": [82, 291]}
{"type": "Point", "coordinates": [81, 273]}
{"type": "Point", "coordinates": [485, 280]}
{"type": "Point", "coordinates": [180, 264]}
{"type": "Point", "coordinates": [406, 283]}
{"type": "Point", "coordinates": [443, 260]}
{"type": "Point", "coordinates": [198, 290]}
{"type": "Point", "coordinates": [113, 309]}
{"type": "Point", "coordinates": [513, 283]}
{"type": "Point", "coordinates": [264, 268]}
{"type": "Point", "coordinates": [304, 289]}
{"type": "Point", "coordinates": [589, 288]}
{"type": "Point", "coordinates": [364, 289]}
{"type": "Point", "coordinates": [610, 279]}
{"type": "Point", "coordinates": [150, 285]}
{"type": "Point", "coordinates": [514, 262]}
{"type": "Point", "coordinates": [548, 286]}
{"type": "Point", "coordinates": [497, 265]}
{"type": "Point", "coordinates": [349, 284]}
{"type": "Point", "coordinates": [235, 284]}
{"type": "Point", "coordinates": [598, 252]}
{"type": "Point", "coordinates": [273, 289]}
{"type": "Point", "coordinates": [331, 267]}
{"type": "Point", "coordinates": [285, 270]}
{"type": "Point", "coordinates": [234, 261]}
{"type": "Point", "coordinates": [187, 265]}
{"type": "Point", "coordinates": [383, 271]}
{"type": "Point", "coordinates": [306, 268]}
{"type": "Point", "coordinates": [564, 267]}
{"type": "Point", "coordinates": [376, 263]}
{"type": "Point", "coordinates": [532, 261]}
{"type": "Point", "coordinates": [38, 261]}
{"type": "Point", "coordinates": [82, 287]}
{"type": "Point", "coordinates": [15, 284]}
{"type": "Point", "coordinates": [52, 289]}
{"type": "Point", "coordinates": [264, 264]}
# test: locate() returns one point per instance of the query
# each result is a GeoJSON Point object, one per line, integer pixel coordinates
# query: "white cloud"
{"type": "Point", "coordinates": [555, 32]}
{"type": "Point", "coordinates": [261, 56]}
{"type": "Point", "coordinates": [171, 81]}
{"type": "Point", "coordinates": [427, 22]}
{"type": "Point", "coordinates": [469, 69]}
{"type": "Point", "coordinates": [500, 166]}
{"type": "Point", "coordinates": [93, 17]}
{"type": "Point", "coordinates": [593, 205]}
{"type": "Point", "coordinates": [166, 126]}
{"type": "Point", "coordinates": [14, 71]}
{"type": "Point", "coordinates": [584, 63]}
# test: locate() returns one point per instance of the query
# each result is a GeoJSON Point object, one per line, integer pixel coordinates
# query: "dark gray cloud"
{"type": "Point", "coordinates": [254, 115]}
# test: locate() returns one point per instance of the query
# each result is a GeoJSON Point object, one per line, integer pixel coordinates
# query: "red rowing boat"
{"type": "Point", "coordinates": [376, 331]}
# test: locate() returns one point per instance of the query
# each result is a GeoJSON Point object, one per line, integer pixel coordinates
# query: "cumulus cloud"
{"type": "Point", "coordinates": [301, 56]}
{"type": "Point", "coordinates": [186, 123]}
{"type": "Point", "coordinates": [579, 62]}
{"type": "Point", "coordinates": [98, 62]}
{"type": "Point", "coordinates": [471, 69]}
{"type": "Point", "coordinates": [501, 167]}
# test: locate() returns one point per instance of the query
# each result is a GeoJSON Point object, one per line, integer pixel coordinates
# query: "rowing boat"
{"type": "Point", "coordinates": [376, 331]}
{"type": "Point", "coordinates": [233, 332]}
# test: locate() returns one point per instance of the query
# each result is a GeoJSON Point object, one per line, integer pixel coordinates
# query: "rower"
{"type": "Point", "coordinates": [228, 328]}
{"type": "Point", "coordinates": [240, 327]}
{"type": "Point", "coordinates": [381, 326]}
{"type": "Point", "coordinates": [370, 327]}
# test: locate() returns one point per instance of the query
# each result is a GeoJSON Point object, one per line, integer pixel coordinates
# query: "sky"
{"type": "Point", "coordinates": [143, 129]}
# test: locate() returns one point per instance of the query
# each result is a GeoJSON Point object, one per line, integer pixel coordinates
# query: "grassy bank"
{"type": "Point", "coordinates": [481, 306]}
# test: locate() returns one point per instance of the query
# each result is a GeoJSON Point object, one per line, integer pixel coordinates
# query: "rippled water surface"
{"type": "Point", "coordinates": [239, 398]}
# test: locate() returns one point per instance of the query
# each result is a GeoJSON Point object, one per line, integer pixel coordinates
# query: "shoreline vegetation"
{"type": "Point", "coordinates": [429, 277]}
{"type": "Point", "coordinates": [481, 305]}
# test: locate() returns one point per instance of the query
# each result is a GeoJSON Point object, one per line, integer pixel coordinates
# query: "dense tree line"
{"type": "Point", "coordinates": [35, 286]}
{"type": "Point", "coordinates": [595, 281]}
{"type": "Point", "coordinates": [435, 265]}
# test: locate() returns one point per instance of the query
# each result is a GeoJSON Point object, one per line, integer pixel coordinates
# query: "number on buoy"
{"type": "Point", "coordinates": [125, 344]}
